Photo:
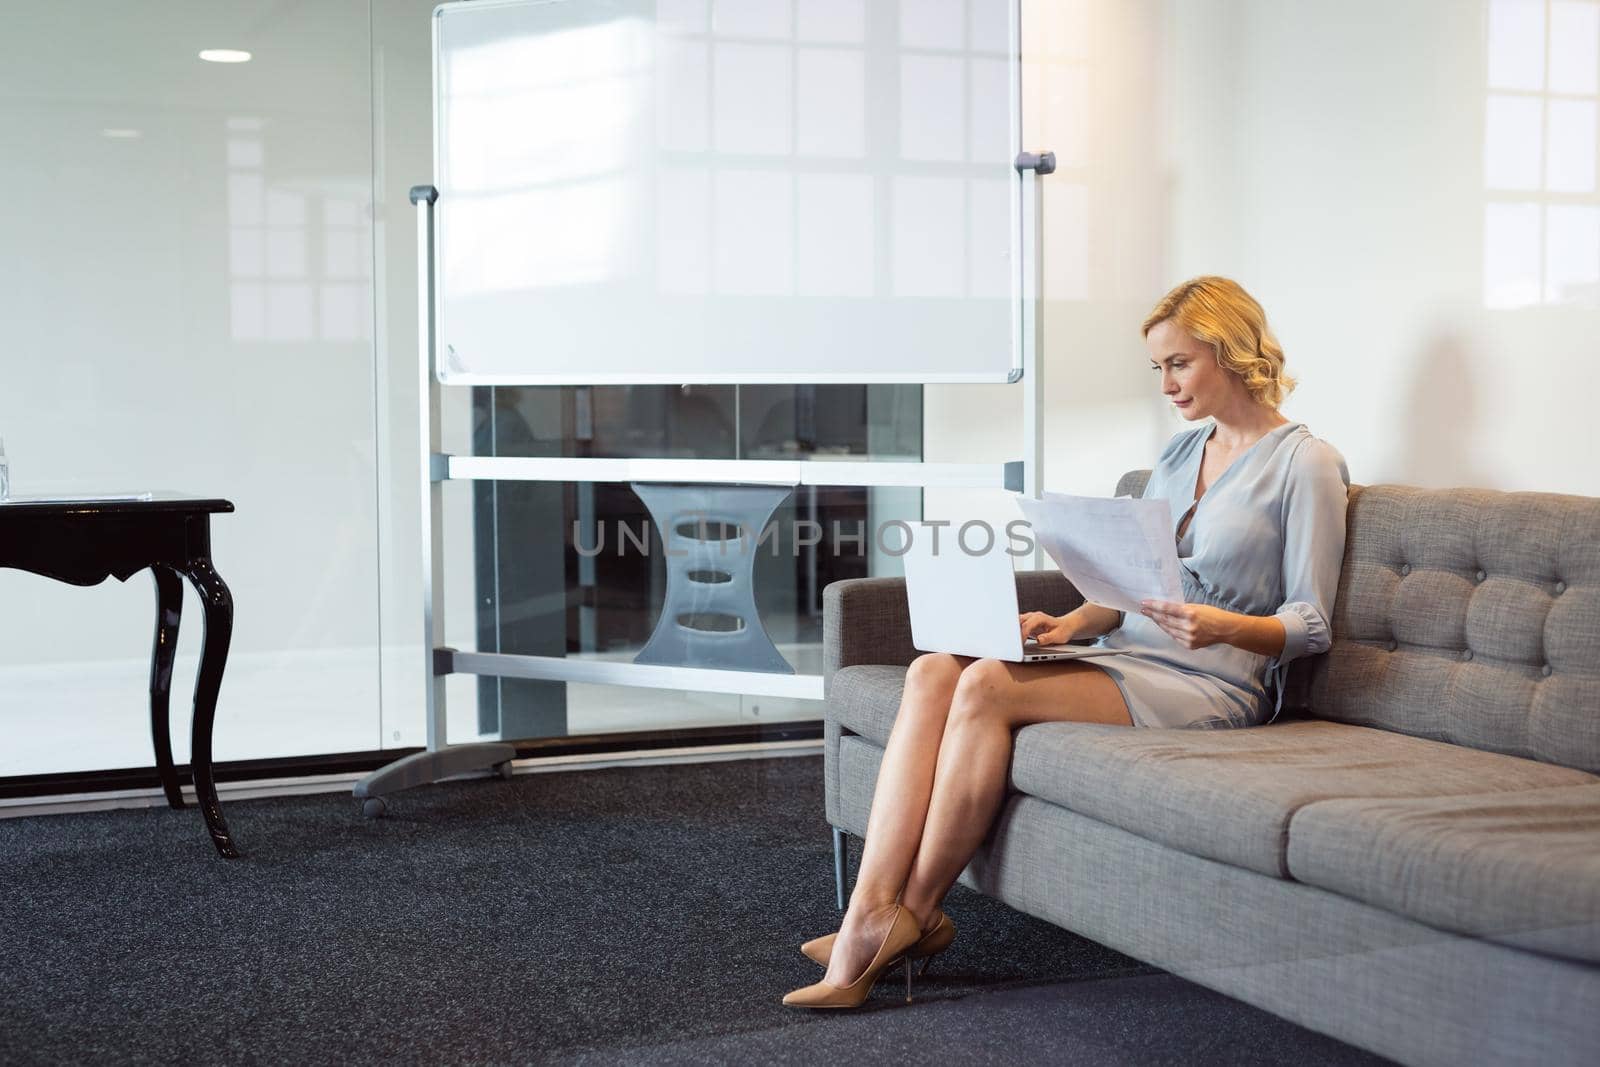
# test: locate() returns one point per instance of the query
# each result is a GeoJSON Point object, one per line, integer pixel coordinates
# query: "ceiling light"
{"type": "Point", "coordinates": [224, 55]}
{"type": "Point", "coordinates": [117, 134]}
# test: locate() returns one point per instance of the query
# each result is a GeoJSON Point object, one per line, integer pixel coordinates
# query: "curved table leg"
{"type": "Point", "coordinates": [218, 605]}
{"type": "Point", "coordinates": [169, 609]}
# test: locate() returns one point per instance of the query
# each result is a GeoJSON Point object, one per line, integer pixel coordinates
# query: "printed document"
{"type": "Point", "coordinates": [1116, 552]}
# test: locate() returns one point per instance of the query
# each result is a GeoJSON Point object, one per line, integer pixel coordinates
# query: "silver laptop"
{"type": "Point", "coordinates": [968, 604]}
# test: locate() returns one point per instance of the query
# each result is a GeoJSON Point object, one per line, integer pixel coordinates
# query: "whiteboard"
{"type": "Point", "coordinates": [727, 191]}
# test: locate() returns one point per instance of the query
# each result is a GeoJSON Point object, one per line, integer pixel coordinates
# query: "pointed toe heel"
{"type": "Point", "coordinates": [903, 933]}
{"type": "Point", "coordinates": [819, 949]}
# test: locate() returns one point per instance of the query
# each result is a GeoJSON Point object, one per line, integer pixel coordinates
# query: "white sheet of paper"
{"type": "Point", "coordinates": [1116, 551]}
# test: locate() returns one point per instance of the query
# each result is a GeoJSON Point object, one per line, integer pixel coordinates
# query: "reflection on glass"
{"type": "Point", "coordinates": [559, 177]}
{"type": "Point", "coordinates": [682, 83]}
{"type": "Point", "coordinates": [1570, 166]}
{"type": "Point", "coordinates": [1511, 255]}
{"type": "Point", "coordinates": [1516, 44]}
{"type": "Point", "coordinates": [700, 421]}
{"type": "Point", "coordinates": [683, 255]}
{"type": "Point", "coordinates": [929, 227]}
{"type": "Point", "coordinates": [831, 115]}
{"type": "Point", "coordinates": [834, 254]}
{"type": "Point", "coordinates": [1572, 254]}
{"type": "Point", "coordinates": [933, 91]}
{"type": "Point", "coordinates": [752, 18]}
{"type": "Point", "coordinates": [1513, 142]}
{"type": "Point", "coordinates": [1542, 243]}
{"type": "Point", "coordinates": [686, 16]}
{"type": "Point", "coordinates": [841, 21]}
{"type": "Point", "coordinates": [753, 99]}
{"type": "Point", "coordinates": [274, 294]}
{"type": "Point", "coordinates": [933, 24]}
{"type": "Point", "coordinates": [1575, 47]}
{"type": "Point", "coordinates": [577, 569]}
{"type": "Point", "coordinates": [709, 163]}
{"type": "Point", "coordinates": [752, 253]}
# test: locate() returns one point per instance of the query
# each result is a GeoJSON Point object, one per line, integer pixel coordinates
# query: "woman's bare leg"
{"type": "Point", "coordinates": [994, 698]}
{"type": "Point", "coordinates": [899, 810]}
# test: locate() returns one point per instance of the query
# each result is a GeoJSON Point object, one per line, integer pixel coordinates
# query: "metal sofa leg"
{"type": "Point", "coordinates": [838, 864]}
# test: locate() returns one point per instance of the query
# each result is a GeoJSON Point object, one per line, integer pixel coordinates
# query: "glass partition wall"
{"type": "Point", "coordinates": [208, 279]}
{"type": "Point", "coordinates": [187, 297]}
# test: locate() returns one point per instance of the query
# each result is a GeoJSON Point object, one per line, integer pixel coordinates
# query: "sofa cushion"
{"type": "Point", "coordinates": [1229, 795]}
{"type": "Point", "coordinates": [866, 698]}
{"type": "Point", "coordinates": [1470, 616]}
{"type": "Point", "coordinates": [1519, 867]}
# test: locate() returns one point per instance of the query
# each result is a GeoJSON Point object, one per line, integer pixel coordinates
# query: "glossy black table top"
{"type": "Point", "coordinates": [24, 505]}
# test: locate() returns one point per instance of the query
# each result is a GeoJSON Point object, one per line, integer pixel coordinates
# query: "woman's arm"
{"type": "Point", "coordinates": [1092, 620]}
{"type": "Point", "coordinates": [1086, 620]}
{"type": "Point", "coordinates": [1200, 625]}
{"type": "Point", "coordinates": [1313, 521]}
{"type": "Point", "coordinates": [1264, 635]}
{"type": "Point", "coordinates": [1315, 504]}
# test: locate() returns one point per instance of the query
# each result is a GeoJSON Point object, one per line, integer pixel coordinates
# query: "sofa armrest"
{"type": "Point", "coordinates": [867, 620]}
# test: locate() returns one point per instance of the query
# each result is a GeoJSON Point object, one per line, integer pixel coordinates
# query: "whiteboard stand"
{"type": "Point", "coordinates": [1032, 326]}
{"type": "Point", "coordinates": [440, 759]}
{"type": "Point", "coordinates": [702, 578]}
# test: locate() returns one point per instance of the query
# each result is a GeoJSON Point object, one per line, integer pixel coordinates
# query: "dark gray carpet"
{"type": "Point", "coordinates": [649, 915]}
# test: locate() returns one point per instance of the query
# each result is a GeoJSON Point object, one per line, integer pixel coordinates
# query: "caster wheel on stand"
{"type": "Point", "coordinates": [504, 770]}
{"type": "Point", "coordinates": [374, 807]}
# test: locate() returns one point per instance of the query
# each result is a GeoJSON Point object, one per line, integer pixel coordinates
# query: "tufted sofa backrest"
{"type": "Point", "coordinates": [1464, 615]}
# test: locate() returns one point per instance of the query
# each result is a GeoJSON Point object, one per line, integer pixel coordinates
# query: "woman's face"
{"type": "Point", "coordinates": [1190, 378]}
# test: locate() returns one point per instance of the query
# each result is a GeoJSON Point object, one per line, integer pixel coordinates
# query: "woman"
{"type": "Point", "coordinates": [1259, 523]}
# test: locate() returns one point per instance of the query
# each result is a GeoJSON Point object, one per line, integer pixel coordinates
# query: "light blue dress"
{"type": "Point", "coordinates": [1267, 538]}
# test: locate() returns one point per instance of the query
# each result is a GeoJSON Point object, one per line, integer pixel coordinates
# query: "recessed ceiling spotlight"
{"type": "Point", "coordinates": [224, 55]}
{"type": "Point", "coordinates": [121, 134]}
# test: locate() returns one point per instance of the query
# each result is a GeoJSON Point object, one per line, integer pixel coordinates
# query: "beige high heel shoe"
{"type": "Point", "coordinates": [935, 941]}
{"type": "Point", "coordinates": [903, 933]}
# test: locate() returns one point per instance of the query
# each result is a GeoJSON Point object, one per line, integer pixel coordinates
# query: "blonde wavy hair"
{"type": "Point", "coordinates": [1219, 312]}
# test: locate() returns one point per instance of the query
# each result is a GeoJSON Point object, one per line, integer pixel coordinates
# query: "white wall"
{"type": "Point", "coordinates": [1361, 171]}
{"type": "Point", "coordinates": [1335, 159]}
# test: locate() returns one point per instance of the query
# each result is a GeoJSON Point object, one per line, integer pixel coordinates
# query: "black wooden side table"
{"type": "Point", "coordinates": [85, 542]}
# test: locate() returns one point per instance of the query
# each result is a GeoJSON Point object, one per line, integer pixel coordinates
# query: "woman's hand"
{"type": "Point", "coordinates": [1049, 629]}
{"type": "Point", "coordinates": [1191, 625]}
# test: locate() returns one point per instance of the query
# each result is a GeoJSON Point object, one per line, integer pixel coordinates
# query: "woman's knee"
{"type": "Point", "coordinates": [930, 682]}
{"type": "Point", "coordinates": [936, 669]}
{"type": "Point", "coordinates": [979, 691]}
{"type": "Point", "coordinates": [983, 677]}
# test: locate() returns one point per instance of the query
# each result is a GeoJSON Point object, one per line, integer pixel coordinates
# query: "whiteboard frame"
{"type": "Point", "coordinates": [440, 758]}
{"type": "Point", "coordinates": [1023, 278]}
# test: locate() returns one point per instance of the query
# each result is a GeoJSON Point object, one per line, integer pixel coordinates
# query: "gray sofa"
{"type": "Point", "coordinates": [1408, 859]}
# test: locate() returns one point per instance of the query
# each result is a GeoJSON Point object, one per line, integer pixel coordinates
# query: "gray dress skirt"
{"type": "Point", "coordinates": [1267, 538]}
